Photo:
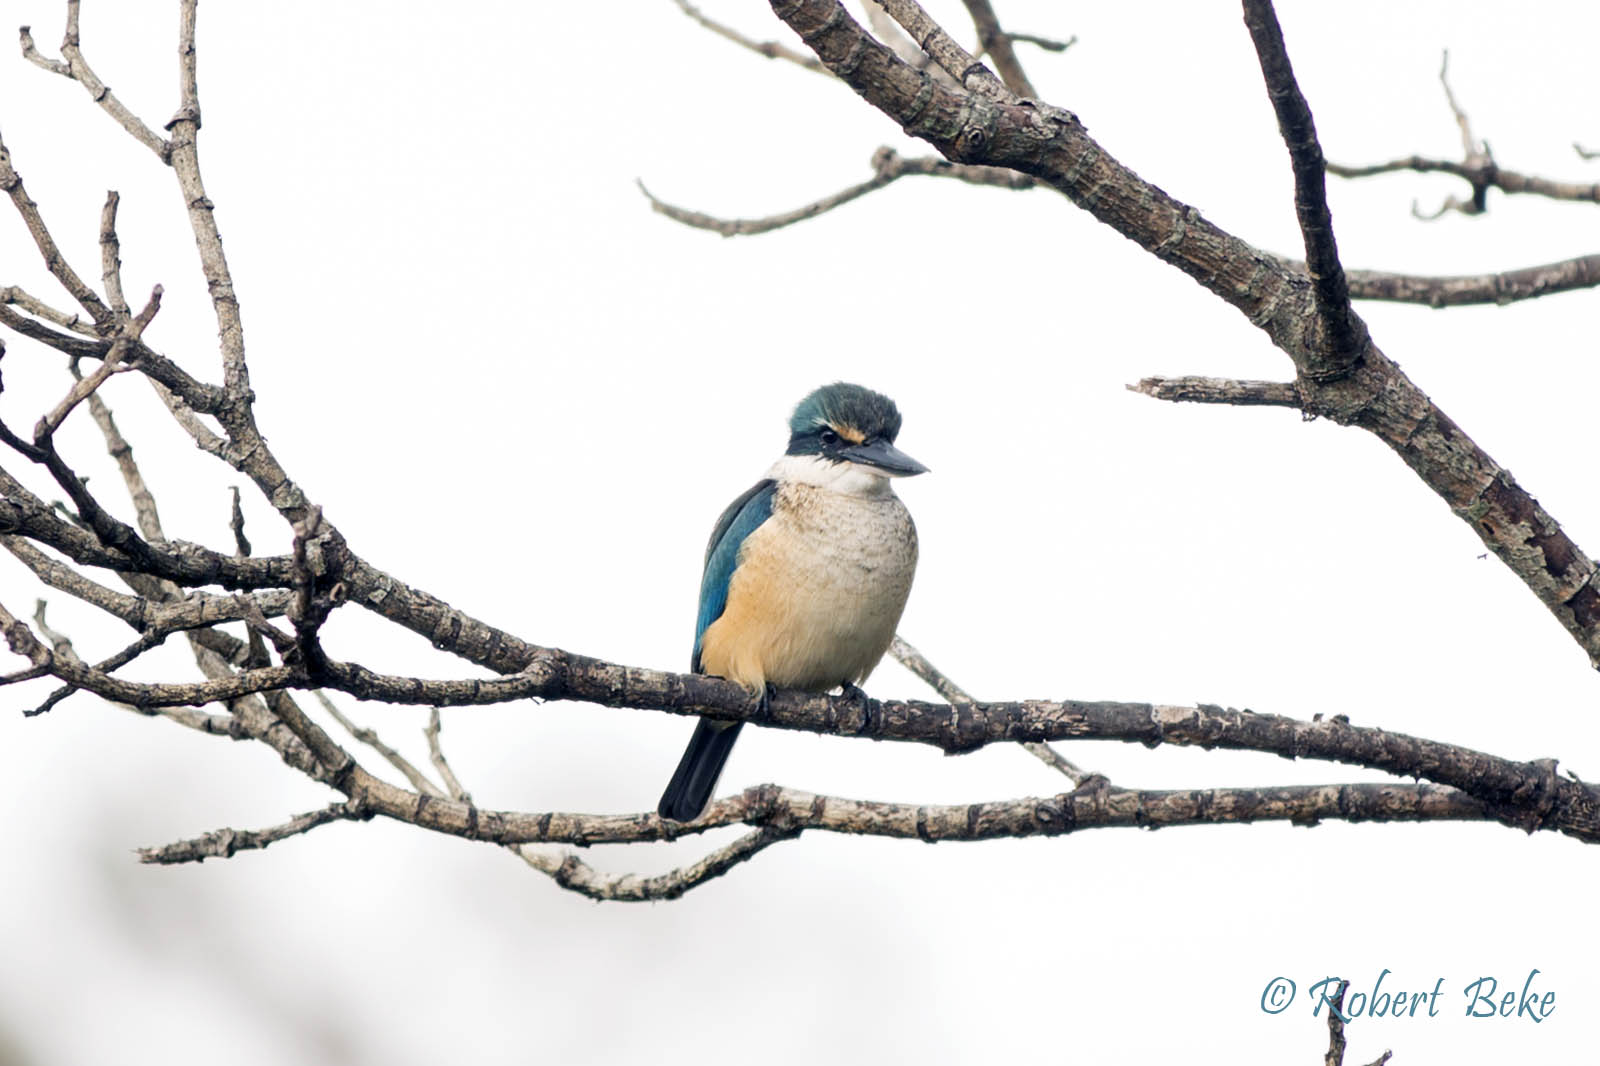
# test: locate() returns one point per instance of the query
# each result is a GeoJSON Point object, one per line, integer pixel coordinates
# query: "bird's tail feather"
{"type": "Point", "coordinates": [690, 788]}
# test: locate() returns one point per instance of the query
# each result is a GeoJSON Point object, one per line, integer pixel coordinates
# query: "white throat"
{"type": "Point", "coordinates": [847, 479]}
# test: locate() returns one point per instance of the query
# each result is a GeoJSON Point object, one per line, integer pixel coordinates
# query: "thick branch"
{"type": "Point", "coordinates": [1051, 144]}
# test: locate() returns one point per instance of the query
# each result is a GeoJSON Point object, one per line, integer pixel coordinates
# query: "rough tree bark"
{"type": "Point", "coordinates": [989, 130]}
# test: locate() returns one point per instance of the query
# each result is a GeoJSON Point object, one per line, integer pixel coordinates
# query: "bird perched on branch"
{"type": "Point", "coordinates": [806, 573]}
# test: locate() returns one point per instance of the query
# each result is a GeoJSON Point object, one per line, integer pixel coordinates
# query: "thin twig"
{"type": "Point", "coordinates": [912, 659]}
{"type": "Point", "coordinates": [54, 261]}
{"type": "Point", "coordinates": [111, 255]}
{"type": "Point", "coordinates": [1471, 147]}
{"type": "Point", "coordinates": [17, 296]}
{"type": "Point", "coordinates": [1335, 1055]}
{"type": "Point", "coordinates": [127, 337]}
{"type": "Point", "coordinates": [1477, 167]}
{"type": "Point", "coordinates": [888, 166]}
{"type": "Point", "coordinates": [225, 843]}
{"type": "Point", "coordinates": [1049, 44]}
{"type": "Point", "coordinates": [770, 49]}
{"type": "Point", "coordinates": [575, 875]}
{"type": "Point", "coordinates": [367, 736]}
{"type": "Point", "coordinates": [77, 68]}
{"type": "Point", "coordinates": [241, 543]}
{"type": "Point", "coordinates": [435, 752]}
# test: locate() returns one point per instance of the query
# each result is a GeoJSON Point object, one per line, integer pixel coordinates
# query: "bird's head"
{"type": "Point", "coordinates": [848, 427]}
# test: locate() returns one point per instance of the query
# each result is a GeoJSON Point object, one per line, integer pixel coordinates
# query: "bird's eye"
{"type": "Point", "coordinates": [828, 437]}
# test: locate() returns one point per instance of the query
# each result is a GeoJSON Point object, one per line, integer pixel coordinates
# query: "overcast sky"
{"type": "Point", "coordinates": [512, 385]}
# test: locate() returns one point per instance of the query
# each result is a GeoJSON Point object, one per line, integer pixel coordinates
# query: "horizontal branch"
{"type": "Point", "coordinates": [1485, 174]}
{"type": "Point", "coordinates": [1582, 272]}
{"type": "Point", "coordinates": [1527, 795]}
{"type": "Point", "coordinates": [784, 813]}
{"type": "Point", "coordinates": [1222, 390]}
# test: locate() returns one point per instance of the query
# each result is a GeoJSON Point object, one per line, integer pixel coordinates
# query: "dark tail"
{"type": "Point", "coordinates": [690, 788]}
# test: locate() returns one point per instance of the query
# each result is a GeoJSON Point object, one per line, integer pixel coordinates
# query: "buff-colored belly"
{"type": "Point", "coordinates": [817, 593]}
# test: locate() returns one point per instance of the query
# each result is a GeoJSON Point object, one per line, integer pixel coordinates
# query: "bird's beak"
{"type": "Point", "coordinates": [883, 456]}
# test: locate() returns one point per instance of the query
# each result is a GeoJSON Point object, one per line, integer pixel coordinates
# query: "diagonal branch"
{"type": "Point", "coordinates": [54, 261]}
{"type": "Point", "coordinates": [770, 49]}
{"type": "Point", "coordinates": [967, 70]}
{"type": "Point", "coordinates": [918, 664]}
{"type": "Point", "coordinates": [77, 68]}
{"type": "Point", "coordinates": [997, 43]}
{"type": "Point", "coordinates": [1345, 337]}
{"type": "Point", "coordinates": [225, 843]}
{"type": "Point", "coordinates": [127, 336]}
{"type": "Point", "coordinates": [888, 166]}
{"type": "Point", "coordinates": [1050, 144]}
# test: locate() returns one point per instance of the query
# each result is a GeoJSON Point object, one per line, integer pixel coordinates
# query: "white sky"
{"type": "Point", "coordinates": [512, 385]}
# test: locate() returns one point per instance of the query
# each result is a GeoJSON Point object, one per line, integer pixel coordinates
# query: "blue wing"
{"type": "Point", "coordinates": [722, 555]}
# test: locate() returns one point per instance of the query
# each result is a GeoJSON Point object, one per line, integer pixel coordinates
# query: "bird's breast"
{"type": "Point", "coordinates": [817, 592]}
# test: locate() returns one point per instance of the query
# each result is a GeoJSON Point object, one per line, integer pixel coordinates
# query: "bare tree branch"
{"type": "Point", "coordinates": [770, 49]}
{"type": "Point", "coordinates": [1511, 286]}
{"type": "Point", "coordinates": [888, 166]}
{"type": "Point", "coordinates": [1222, 390]}
{"type": "Point", "coordinates": [1346, 336]}
{"type": "Point", "coordinates": [77, 68]}
{"type": "Point", "coordinates": [16, 296]}
{"type": "Point", "coordinates": [918, 664]}
{"type": "Point", "coordinates": [968, 71]}
{"type": "Point", "coordinates": [1485, 175]}
{"type": "Point", "coordinates": [1477, 168]}
{"type": "Point", "coordinates": [111, 255]}
{"type": "Point", "coordinates": [11, 183]}
{"type": "Point", "coordinates": [225, 843]}
{"type": "Point", "coordinates": [84, 387]}
{"type": "Point", "coordinates": [440, 764]}
{"type": "Point", "coordinates": [1052, 145]}
{"type": "Point", "coordinates": [1049, 44]}
{"type": "Point", "coordinates": [997, 43]}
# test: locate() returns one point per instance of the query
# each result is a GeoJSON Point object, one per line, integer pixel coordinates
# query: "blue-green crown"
{"type": "Point", "coordinates": [847, 408]}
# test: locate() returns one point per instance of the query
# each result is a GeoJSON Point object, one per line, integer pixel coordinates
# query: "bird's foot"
{"type": "Point", "coordinates": [768, 691]}
{"type": "Point", "coordinates": [855, 695]}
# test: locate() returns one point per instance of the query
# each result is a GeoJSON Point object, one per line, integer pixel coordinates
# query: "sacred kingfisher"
{"type": "Point", "coordinates": [805, 574]}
